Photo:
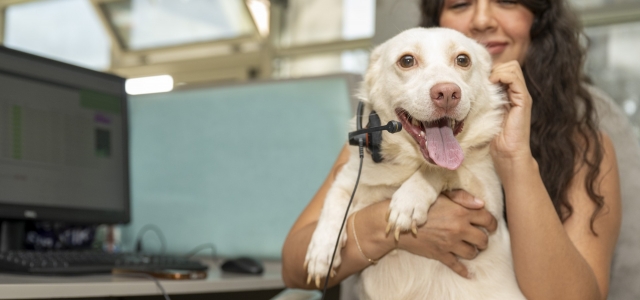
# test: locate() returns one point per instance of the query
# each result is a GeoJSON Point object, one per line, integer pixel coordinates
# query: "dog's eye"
{"type": "Point", "coordinates": [407, 61]}
{"type": "Point", "coordinates": [463, 60]}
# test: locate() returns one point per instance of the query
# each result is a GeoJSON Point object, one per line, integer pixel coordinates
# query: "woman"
{"type": "Point", "coordinates": [559, 172]}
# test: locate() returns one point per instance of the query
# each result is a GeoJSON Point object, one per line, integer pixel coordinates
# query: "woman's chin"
{"type": "Point", "coordinates": [505, 57]}
{"type": "Point", "coordinates": [498, 59]}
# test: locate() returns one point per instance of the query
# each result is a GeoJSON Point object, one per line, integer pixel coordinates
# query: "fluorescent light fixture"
{"type": "Point", "coordinates": [259, 10]}
{"type": "Point", "coordinates": [149, 85]}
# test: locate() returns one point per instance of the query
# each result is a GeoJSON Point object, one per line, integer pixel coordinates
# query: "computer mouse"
{"type": "Point", "coordinates": [243, 265]}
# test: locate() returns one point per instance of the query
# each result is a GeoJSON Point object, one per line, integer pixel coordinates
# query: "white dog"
{"type": "Point", "coordinates": [436, 82]}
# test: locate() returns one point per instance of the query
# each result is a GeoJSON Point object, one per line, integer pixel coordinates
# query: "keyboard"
{"type": "Point", "coordinates": [89, 262]}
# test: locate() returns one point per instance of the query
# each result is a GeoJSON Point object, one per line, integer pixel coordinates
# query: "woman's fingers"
{"type": "Point", "coordinates": [452, 231]}
{"type": "Point", "coordinates": [452, 262]}
{"type": "Point", "coordinates": [465, 199]}
{"type": "Point", "coordinates": [513, 141]}
{"type": "Point", "coordinates": [466, 251]}
{"type": "Point", "coordinates": [476, 237]}
{"type": "Point", "coordinates": [476, 215]}
{"type": "Point", "coordinates": [510, 74]}
{"type": "Point", "coordinates": [512, 66]}
{"type": "Point", "coordinates": [484, 219]}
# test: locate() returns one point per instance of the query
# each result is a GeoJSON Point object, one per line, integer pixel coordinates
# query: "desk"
{"type": "Point", "coordinates": [96, 286]}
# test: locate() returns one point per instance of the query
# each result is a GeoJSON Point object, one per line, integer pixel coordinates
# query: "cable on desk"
{"type": "Point", "coordinates": [147, 276]}
{"type": "Point", "coordinates": [214, 251]}
{"type": "Point", "coordinates": [154, 228]}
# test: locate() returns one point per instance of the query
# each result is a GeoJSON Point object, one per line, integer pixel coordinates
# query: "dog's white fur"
{"type": "Point", "coordinates": [412, 183]}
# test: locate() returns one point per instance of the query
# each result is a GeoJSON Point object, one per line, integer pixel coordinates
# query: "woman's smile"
{"type": "Point", "coordinates": [494, 47]}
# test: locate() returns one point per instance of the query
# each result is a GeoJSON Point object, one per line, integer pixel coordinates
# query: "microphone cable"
{"type": "Point", "coordinates": [346, 213]}
{"type": "Point", "coordinates": [157, 230]}
{"type": "Point", "coordinates": [147, 276]}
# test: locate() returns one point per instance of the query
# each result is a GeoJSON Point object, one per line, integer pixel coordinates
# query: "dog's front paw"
{"type": "Point", "coordinates": [406, 212]}
{"type": "Point", "coordinates": [319, 253]}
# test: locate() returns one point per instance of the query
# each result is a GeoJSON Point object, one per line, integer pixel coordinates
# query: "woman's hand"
{"type": "Point", "coordinates": [451, 231]}
{"type": "Point", "coordinates": [513, 142]}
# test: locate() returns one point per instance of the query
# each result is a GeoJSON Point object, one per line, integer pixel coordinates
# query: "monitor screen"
{"type": "Point", "coordinates": [63, 142]}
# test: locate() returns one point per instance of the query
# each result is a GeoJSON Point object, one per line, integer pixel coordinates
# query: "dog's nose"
{"type": "Point", "coordinates": [446, 95]}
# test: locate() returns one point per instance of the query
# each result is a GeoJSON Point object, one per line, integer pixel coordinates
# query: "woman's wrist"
{"type": "Point", "coordinates": [369, 229]}
{"type": "Point", "coordinates": [510, 167]}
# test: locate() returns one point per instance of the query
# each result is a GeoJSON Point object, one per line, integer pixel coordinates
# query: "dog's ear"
{"type": "Point", "coordinates": [375, 55]}
{"type": "Point", "coordinates": [372, 74]}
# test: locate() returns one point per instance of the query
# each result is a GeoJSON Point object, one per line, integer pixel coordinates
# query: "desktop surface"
{"type": "Point", "coordinates": [45, 287]}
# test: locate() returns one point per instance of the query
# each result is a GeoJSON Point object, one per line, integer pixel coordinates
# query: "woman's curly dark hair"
{"type": "Point", "coordinates": [564, 128]}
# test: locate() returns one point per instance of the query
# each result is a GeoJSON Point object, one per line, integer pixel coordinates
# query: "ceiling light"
{"type": "Point", "coordinates": [149, 85]}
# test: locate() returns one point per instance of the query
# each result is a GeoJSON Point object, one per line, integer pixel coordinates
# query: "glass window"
{"type": "Point", "coordinates": [347, 61]}
{"type": "Point", "coordinates": [358, 20]}
{"type": "Point", "coordinates": [594, 4]}
{"type": "Point", "coordinates": [65, 30]}
{"type": "Point", "coordinates": [612, 65]}
{"type": "Point", "coordinates": [144, 24]}
{"type": "Point", "coordinates": [584, 4]}
{"type": "Point", "coordinates": [340, 20]}
{"type": "Point", "coordinates": [355, 61]}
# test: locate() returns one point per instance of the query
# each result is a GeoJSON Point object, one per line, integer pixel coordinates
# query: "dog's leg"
{"type": "Point", "coordinates": [324, 237]}
{"type": "Point", "coordinates": [411, 202]}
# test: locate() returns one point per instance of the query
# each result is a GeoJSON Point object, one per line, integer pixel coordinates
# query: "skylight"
{"type": "Point", "coordinates": [146, 24]}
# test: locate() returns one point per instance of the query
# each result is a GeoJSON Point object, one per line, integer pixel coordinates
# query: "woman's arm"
{"type": "Point", "coordinates": [562, 261]}
{"type": "Point", "coordinates": [295, 246]}
{"type": "Point", "coordinates": [553, 260]}
{"type": "Point", "coordinates": [450, 231]}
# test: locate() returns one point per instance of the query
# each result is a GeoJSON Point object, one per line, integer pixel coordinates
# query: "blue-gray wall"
{"type": "Point", "coordinates": [235, 165]}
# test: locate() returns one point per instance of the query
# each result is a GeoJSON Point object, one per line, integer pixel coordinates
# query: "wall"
{"type": "Point", "coordinates": [233, 165]}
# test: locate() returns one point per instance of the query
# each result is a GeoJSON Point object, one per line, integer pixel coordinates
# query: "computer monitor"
{"type": "Point", "coordinates": [63, 142]}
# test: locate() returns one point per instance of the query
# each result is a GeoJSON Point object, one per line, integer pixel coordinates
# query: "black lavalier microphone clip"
{"type": "Point", "coordinates": [371, 137]}
{"type": "Point", "coordinates": [354, 136]}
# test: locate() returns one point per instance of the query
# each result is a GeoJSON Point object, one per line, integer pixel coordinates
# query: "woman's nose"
{"type": "Point", "coordinates": [483, 19]}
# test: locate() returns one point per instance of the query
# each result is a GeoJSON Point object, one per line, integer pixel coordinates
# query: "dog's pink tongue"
{"type": "Point", "coordinates": [443, 147]}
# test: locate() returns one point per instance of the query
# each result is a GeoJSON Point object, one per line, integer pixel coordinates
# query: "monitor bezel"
{"type": "Point", "coordinates": [69, 214]}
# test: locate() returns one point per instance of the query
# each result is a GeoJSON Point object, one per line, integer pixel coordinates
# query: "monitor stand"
{"type": "Point", "coordinates": [12, 235]}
